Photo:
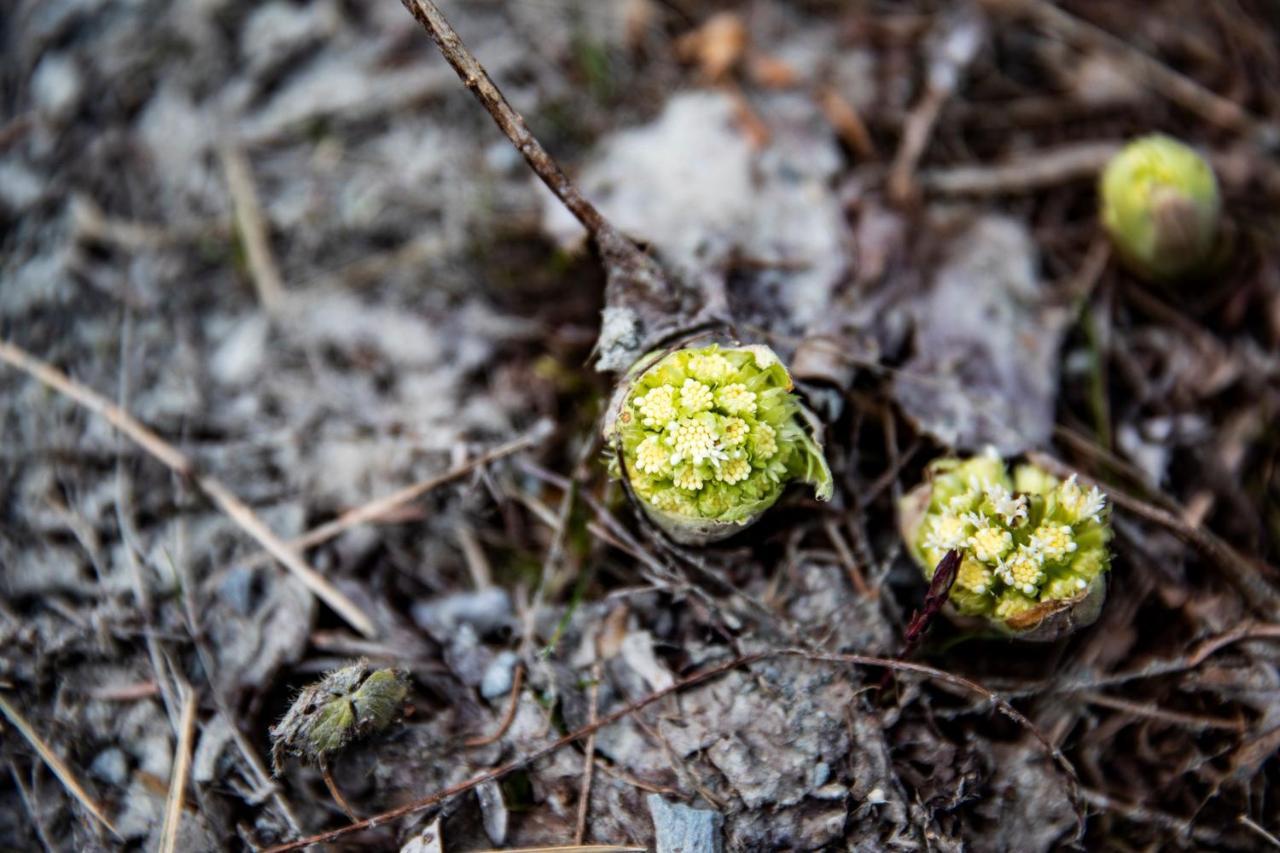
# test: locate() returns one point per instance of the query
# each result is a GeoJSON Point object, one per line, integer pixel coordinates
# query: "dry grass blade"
{"type": "Point", "coordinates": [181, 770]}
{"type": "Point", "coordinates": [253, 230]}
{"type": "Point", "coordinates": [176, 460]}
{"type": "Point", "coordinates": [56, 764]}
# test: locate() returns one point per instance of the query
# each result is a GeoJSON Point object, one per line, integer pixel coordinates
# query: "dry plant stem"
{"type": "Point", "coordinates": [383, 506]}
{"type": "Point", "coordinates": [510, 122]}
{"type": "Point", "coordinates": [1046, 168]}
{"type": "Point", "coordinates": [181, 770]}
{"type": "Point", "coordinates": [588, 758]}
{"type": "Point", "coordinates": [1152, 711]}
{"type": "Point", "coordinates": [1242, 574]}
{"type": "Point", "coordinates": [56, 764]}
{"type": "Point", "coordinates": [236, 509]}
{"type": "Point", "coordinates": [684, 684]}
{"type": "Point", "coordinates": [1246, 822]}
{"type": "Point", "coordinates": [517, 681]}
{"type": "Point", "coordinates": [337, 794]}
{"type": "Point", "coordinates": [915, 138]}
{"type": "Point", "coordinates": [1142, 814]}
{"type": "Point", "coordinates": [1178, 88]}
{"type": "Point", "coordinates": [253, 229]}
{"type": "Point", "coordinates": [570, 848]}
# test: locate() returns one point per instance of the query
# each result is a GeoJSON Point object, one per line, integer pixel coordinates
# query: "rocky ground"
{"type": "Point", "coordinates": [286, 238]}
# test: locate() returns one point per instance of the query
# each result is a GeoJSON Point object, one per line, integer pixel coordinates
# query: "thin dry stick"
{"type": "Point", "coordinates": [588, 759]}
{"type": "Point", "coordinates": [383, 506]}
{"type": "Point", "coordinates": [510, 122]}
{"type": "Point", "coordinates": [337, 794]}
{"type": "Point", "coordinates": [1178, 88]}
{"type": "Point", "coordinates": [181, 769]}
{"type": "Point", "coordinates": [56, 764]}
{"type": "Point", "coordinates": [1245, 576]}
{"type": "Point", "coordinates": [177, 461]}
{"type": "Point", "coordinates": [1152, 711]}
{"type": "Point", "coordinates": [684, 684]}
{"type": "Point", "coordinates": [1046, 168]}
{"type": "Point", "coordinates": [512, 704]}
{"type": "Point", "coordinates": [253, 230]}
{"type": "Point", "coordinates": [571, 848]}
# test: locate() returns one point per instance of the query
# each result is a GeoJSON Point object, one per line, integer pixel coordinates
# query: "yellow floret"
{"type": "Point", "coordinates": [734, 431]}
{"type": "Point", "coordinates": [973, 576]}
{"type": "Point", "coordinates": [947, 532]}
{"type": "Point", "coordinates": [765, 440]}
{"type": "Point", "coordinates": [690, 440]}
{"type": "Point", "coordinates": [695, 397]}
{"type": "Point", "coordinates": [657, 408]}
{"type": "Point", "coordinates": [688, 477]}
{"type": "Point", "coordinates": [1022, 571]}
{"type": "Point", "coordinates": [1053, 542]}
{"type": "Point", "coordinates": [735, 399]}
{"type": "Point", "coordinates": [652, 457]}
{"type": "Point", "coordinates": [710, 367]}
{"type": "Point", "coordinates": [734, 471]}
{"type": "Point", "coordinates": [989, 544]}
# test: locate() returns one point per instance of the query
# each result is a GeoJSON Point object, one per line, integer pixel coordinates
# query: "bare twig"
{"type": "Point", "coordinates": [1152, 711]}
{"type": "Point", "coordinates": [253, 230]}
{"type": "Point", "coordinates": [181, 769]}
{"type": "Point", "coordinates": [56, 764]}
{"type": "Point", "coordinates": [1248, 823]}
{"type": "Point", "coordinates": [1050, 167]}
{"type": "Point", "coordinates": [588, 758]}
{"type": "Point", "coordinates": [337, 794]}
{"type": "Point", "coordinates": [385, 505]}
{"type": "Point", "coordinates": [517, 681]}
{"type": "Point", "coordinates": [1177, 87]}
{"type": "Point", "coordinates": [177, 461]}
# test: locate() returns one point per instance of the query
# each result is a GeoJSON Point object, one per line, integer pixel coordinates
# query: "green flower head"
{"type": "Point", "coordinates": [710, 437]}
{"type": "Point", "coordinates": [1160, 205]}
{"type": "Point", "coordinates": [1031, 545]}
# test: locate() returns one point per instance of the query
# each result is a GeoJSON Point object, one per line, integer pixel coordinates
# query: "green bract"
{"type": "Point", "coordinates": [709, 438]}
{"type": "Point", "coordinates": [1033, 548]}
{"type": "Point", "coordinates": [1160, 205]}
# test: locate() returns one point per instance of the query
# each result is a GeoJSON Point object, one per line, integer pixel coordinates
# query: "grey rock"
{"type": "Point", "coordinates": [678, 828]}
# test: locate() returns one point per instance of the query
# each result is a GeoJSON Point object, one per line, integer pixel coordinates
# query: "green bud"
{"type": "Point", "coordinates": [709, 438]}
{"type": "Point", "coordinates": [347, 704]}
{"type": "Point", "coordinates": [1033, 548]}
{"type": "Point", "coordinates": [1161, 207]}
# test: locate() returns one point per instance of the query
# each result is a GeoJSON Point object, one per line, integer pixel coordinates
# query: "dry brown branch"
{"type": "Point", "coordinates": [684, 684]}
{"type": "Point", "coordinates": [337, 794]}
{"type": "Point", "coordinates": [588, 758]}
{"type": "Point", "coordinates": [1243, 574]}
{"type": "Point", "coordinates": [253, 229]}
{"type": "Point", "coordinates": [1177, 87]}
{"type": "Point", "coordinates": [1152, 711]}
{"type": "Point", "coordinates": [517, 681]}
{"type": "Point", "coordinates": [385, 505]}
{"type": "Point", "coordinates": [56, 764]}
{"type": "Point", "coordinates": [177, 461]}
{"type": "Point", "coordinates": [1143, 814]}
{"type": "Point", "coordinates": [1081, 161]}
{"type": "Point", "coordinates": [181, 769]}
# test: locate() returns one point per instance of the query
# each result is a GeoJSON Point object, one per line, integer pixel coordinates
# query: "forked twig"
{"type": "Point", "coordinates": [177, 461]}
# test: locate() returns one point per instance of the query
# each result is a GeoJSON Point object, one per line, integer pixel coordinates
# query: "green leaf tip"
{"type": "Point", "coordinates": [711, 436]}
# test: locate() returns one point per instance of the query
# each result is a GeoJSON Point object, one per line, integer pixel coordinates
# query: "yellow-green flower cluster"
{"type": "Point", "coordinates": [1023, 541]}
{"type": "Point", "coordinates": [712, 434]}
{"type": "Point", "coordinates": [1161, 207]}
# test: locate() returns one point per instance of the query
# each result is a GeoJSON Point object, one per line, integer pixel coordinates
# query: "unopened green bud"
{"type": "Point", "coordinates": [710, 437]}
{"type": "Point", "coordinates": [1033, 548]}
{"type": "Point", "coordinates": [1161, 207]}
{"type": "Point", "coordinates": [347, 704]}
